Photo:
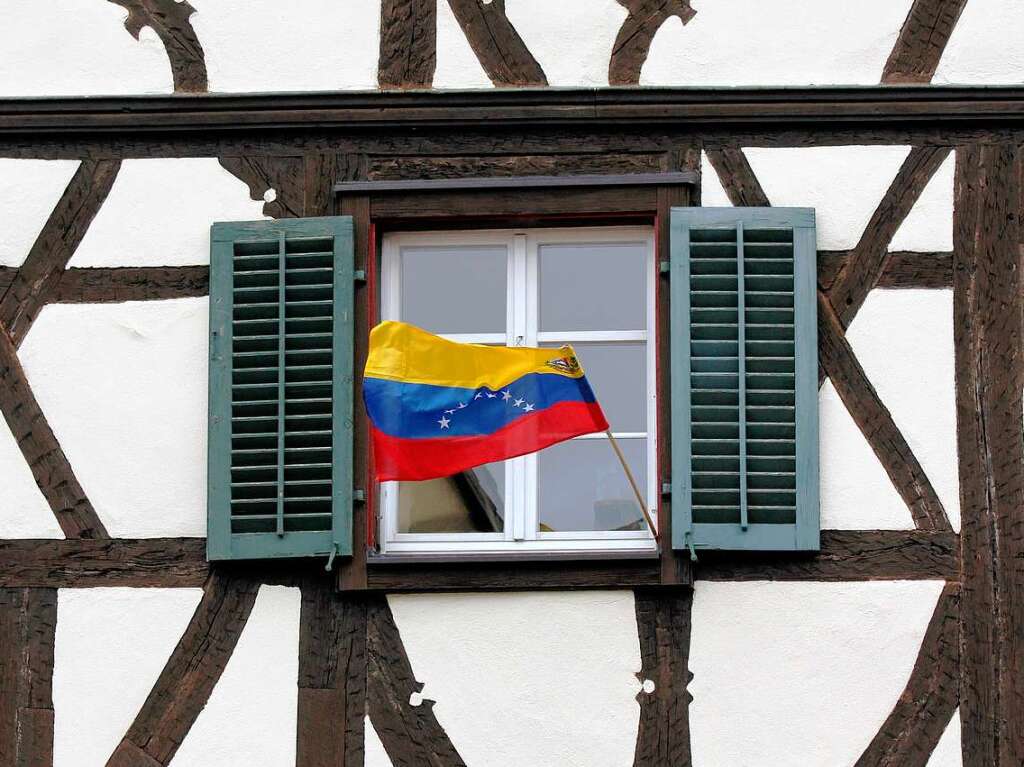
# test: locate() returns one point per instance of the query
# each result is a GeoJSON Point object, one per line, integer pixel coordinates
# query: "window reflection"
{"type": "Point", "coordinates": [472, 501]}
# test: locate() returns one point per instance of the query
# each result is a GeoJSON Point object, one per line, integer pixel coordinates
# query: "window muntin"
{"type": "Point", "coordinates": [551, 293]}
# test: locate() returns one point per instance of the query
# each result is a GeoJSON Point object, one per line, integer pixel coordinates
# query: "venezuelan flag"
{"type": "Point", "coordinates": [438, 407]}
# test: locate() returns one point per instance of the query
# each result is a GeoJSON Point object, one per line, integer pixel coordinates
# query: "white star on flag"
{"type": "Point", "coordinates": [491, 396]}
{"type": "Point", "coordinates": [528, 408]}
{"type": "Point", "coordinates": [479, 394]}
{"type": "Point", "coordinates": [518, 402]}
{"type": "Point", "coordinates": [461, 405]}
{"type": "Point", "coordinates": [506, 395]}
{"type": "Point", "coordinates": [444, 422]}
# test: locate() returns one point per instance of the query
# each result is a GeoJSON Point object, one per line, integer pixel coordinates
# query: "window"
{"type": "Point", "coordinates": [280, 436]}
{"type": "Point", "coordinates": [591, 287]}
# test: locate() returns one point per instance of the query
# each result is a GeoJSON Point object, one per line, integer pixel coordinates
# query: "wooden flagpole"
{"type": "Point", "coordinates": [633, 484]}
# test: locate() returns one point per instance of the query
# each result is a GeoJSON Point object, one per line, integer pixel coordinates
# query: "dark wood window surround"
{"type": "Point", "coordinates": [382, 207]}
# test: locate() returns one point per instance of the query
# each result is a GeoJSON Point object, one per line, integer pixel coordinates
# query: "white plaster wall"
{"type": "Point", "coordinates": [856, 493]}
{"type": "Point", "coordinates": [111, 645]}
{"type": "Point", "coordinates": [929, 225]}
{"type": "Point", "coordinates": [250, 718]}
{"type": "Point", "coordinates": [457, 66]}
{"type": "Point", "coordinates": [24, 512]}
{"type": "Point", "coordinates": [528, 678]}
{"type": "Point", "coordinates": [159, 212]}
{"type": "Point", "coordinates": [712, 193]}
{"type": "Point", "coordinates": [75, 48]}
{"type": "Point", "coordinates": [28, 191]}
{"type": "Point", "coordinates": [124, 389]}
{"type": "Point", "coordinates": [986, 47]}
{"type": "Point", "coordinates": [947, 750]}
{"type": "Point", "coordinates": [787, 42]}
{"type": "Point", "coordinates": [374, 755]}
{"type": "Point", "coordinates": [843, 183]}
{"type": "Point", "coordinates": [800, 673]}
{"type": "Point", "coordinates": [300, 45]}
{"type": "Point", "coordinates": [547, 28]}
{"type": "Point", "coordinates": [904, 341]}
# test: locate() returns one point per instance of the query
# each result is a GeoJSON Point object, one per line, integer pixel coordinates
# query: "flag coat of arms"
{"type": "Point", "coordinates": [437, 407]}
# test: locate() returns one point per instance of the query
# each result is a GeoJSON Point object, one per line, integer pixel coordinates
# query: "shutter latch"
{"type": "Point", "coordinates": [689, 544]}
{"type": "Point", "coordinates": [331, 556]}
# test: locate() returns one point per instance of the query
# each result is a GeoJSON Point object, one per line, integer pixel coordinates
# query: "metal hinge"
{"type": "Point", "coordinates": [359, 275]}
{"type": "Point", "coordinates": [664, 267]}
{"type": "Point", "coordinates": [358, 495]}
{"type": "Point", "coordinates": [666, 489]}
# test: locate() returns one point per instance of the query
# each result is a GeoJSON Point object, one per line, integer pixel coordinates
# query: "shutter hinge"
{"type": "Point", "coordinates": [664, 267]}
{"type": "Point", "coordinates": [666, 489]}
{"type": "Point", "coordinates": [358, 495]}
{"type": "Point", "coordinates": [359, 275]}
{"type": "Point", "coordinates": [689, 545]}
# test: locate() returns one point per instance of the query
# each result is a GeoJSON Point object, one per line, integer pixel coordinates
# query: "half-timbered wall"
{"type": "Point", "coordinates": [120, 646]}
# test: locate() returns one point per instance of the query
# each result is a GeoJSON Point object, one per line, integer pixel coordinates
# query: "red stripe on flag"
{"type": "Point", "coordinates": [417, 459]}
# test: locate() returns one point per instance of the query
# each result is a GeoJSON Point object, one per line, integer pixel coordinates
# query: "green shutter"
{"type": "Point", "coordinates": [280, 436]}
{"type": "Point", "coordinates": [744, 379]}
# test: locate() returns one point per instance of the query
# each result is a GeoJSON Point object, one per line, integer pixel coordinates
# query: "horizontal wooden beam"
{"type": "Point", "coordinates": [846, 555]}
{"type": "Point", "coordinates": [510, 109]}
{"type": "Point", "coordinates": [903, 269]}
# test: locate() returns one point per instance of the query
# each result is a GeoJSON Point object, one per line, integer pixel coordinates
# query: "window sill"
{"type": "Point", "coordinates": [374, 559]}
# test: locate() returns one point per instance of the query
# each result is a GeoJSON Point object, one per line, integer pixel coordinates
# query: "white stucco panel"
{"type": "Point", "coordinates": [750, 42]}
{"type": "Point", "coordinates": [299, 45]}
{"type": "Point", "coordinates": [71, 48]}
{"type": "Point", "coordinates": [904, 341]}
{"type": "Point", "coordinates": [28, 191]}
{"type": "Point", "coordinates": [374, 753]}
{"type": "Point", "coordinates": [159, 212]}
{"type": "Point", "coordinates": [929, 225]}
{"type": "Point", "coordinates": [110, 647]}
{"type": "Point", "coordinates": [947, 751]}
{"type": "Point", "coordinates": [251, 716]}
{"type": "Point", "coordinates": [844, 184]}
{"type": "Point", "coordinates": [712, 194]}
{"type": "Point", "coordinates": [24, 512]}
{"type": "Point", "coordinates": [590, 25]}
{"type": "Point", "coordinates": [800, 673]}
{"type": "Point", "coordinates": [124, 389]}
{"type": "Point", "coordinates": [457, 65]}
{"type": "Point", "coordinates": [986, 47]}
{"type": "Point", "coordinates": [528, 679]}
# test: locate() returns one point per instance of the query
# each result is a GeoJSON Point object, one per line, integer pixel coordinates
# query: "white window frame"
{"type": "Point", "coordinates": [522, 534]}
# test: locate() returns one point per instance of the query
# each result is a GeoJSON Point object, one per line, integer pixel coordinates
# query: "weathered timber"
{"type": "Point", "coordinates": [911, 731]}
{"type": "Point", "coordinates": [332, 676]}
{"type": "Point", "coordinates": [408, 43]}
{"type": "Point", "coordinates": [321, 173]}
{"type": "Point", "coordinates": [922, 40]}
{"type": "Point", "coordinates": [663, 619]}
{"type": "Point", "coordinates": [170, 20]}
{"type": "Point", "coordinates": [50, 467]}
{"type": "Point", "coordinates": [867, 263]}
{"type": "Point", "coordinates": [285, 175]}
{"type": "Point", "coordinates": [737, 177]}
{"type": "Point", "coordinates": [411, 735]}
{"type": "Point", "coordinates": [499, 48]}
{"type": "Point", "coordinates": [633, 42]}
{"type": "Point", "coordinates": [876, 422]}
{"type": "Point", "coordinates": [184, 686]}
{"type": "Point", "coordinates": [41, 272]}
{"type": "Point", "coordinates": [78, 563]}
{"type": "Point", "coordinates": [987, 313]}
{"type": "Point", "coordinates": [903, 269]}
{"type": "Point", "coordinates": [476, 166]}
{"type": "Point", "coordinates": [131, 283]}
{"type": "Point", "coordinates": [846, 555]}
{"type": "Point", "coordinates": [28, 620]}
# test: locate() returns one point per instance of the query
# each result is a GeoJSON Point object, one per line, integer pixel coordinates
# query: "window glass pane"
{"type": "Point", "coordinates": [581, 486]}
{"type": "Point", "coordinates": [617, 373]}
{"type": "Point", "coordinates": [470, 502]}
{"type": "Point", "coordinates": [455, 289]}
{"type": "Point", "coordinates": [592, 287]}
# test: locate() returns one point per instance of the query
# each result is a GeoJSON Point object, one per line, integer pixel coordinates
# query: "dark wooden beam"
{"type": "Point", "coordinates": [499, 48]}
{"type": "Point", "coordinates": [884, 114]}
{"type": "Point", "coordinates": [131, 283]}
{"type": "Point", "coordinates": [408, 43]}
{"type": "Point", "coordinates": [28, 620]}
{"type": "Point", "coordinates": [737, 177]}
{"type": "Point", "coordinates": [37, 278]}
{"type": "Point", "coordinates": [865, 267]}
{"type": "Point", "coordinates": [903, 269]}
{"type": "Point", "coordinates": [170, 20]}
{"type": "Point", "coordinates": [920, 716]}
{"type": "Point", "coordinates": [332, 677]}
{"type": "Point", "coordinates": [284, 174]}
{"type": "Point", "coordinates": [411, 735]}
{"type": "Point", "coordinates": [922, 40]}
{"type": "Point", "coordinates": [846, 555]}
{"type": "Point", "coordinates": [988, 311]}
{"type": "Point", "coordinates": [876, 423]}
{"type": "Point", "coordinates": [184, 686]}
{"type": "Point", "coordinates": [50, 467]}
{"type": "Point", "coordinates": [663, 620]}
{"type": "Point", "coordinates": [633, 42]}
